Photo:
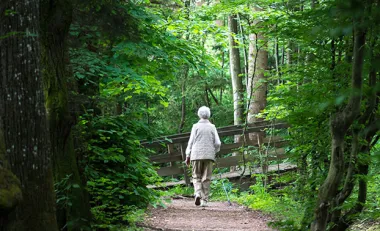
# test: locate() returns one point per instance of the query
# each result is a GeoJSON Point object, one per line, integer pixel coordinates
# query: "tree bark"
{"type": "Point", "coordinates": [257, 82]}
{"type": "Point", "coordinates": [235, 70]}
{"type": "Point", "coordinates": [371, 126]}
{"type": "Point", "coordinates": [257, 86]}
{"type": "Point", "coordinates": [23, 118]}
{"type": "Point", "coordinates": [183, 99]}
{"type": "Point", "coordinates": [339, 125]}
{"type": "Point", "coordinates": [289, 53]}
{"type": "Point", "coordinates": [213, 96]}
{"type": "Point", "coordinates": [186, 70]}
{"type": "Point", "coordinates": [245, 55]}
{"type": "Point", "coordinates": [55, 21]}
{"type": "Point", "coordinates": [277, 61]}
{"type": "Point", "coordinates": [10, 186]}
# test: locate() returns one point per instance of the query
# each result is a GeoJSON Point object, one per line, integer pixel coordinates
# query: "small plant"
{"type": "Point", "coordinates": [220, 187]}
{"type": "Point", "coordinates": [62, 191]}
{"type": "Point", "coordinates": [65, 200]}
{"type": "Point", "coordinates": [181, 190]}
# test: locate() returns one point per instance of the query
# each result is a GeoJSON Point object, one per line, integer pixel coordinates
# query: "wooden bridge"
{"type": "Point", "coordinates": [261, 155]}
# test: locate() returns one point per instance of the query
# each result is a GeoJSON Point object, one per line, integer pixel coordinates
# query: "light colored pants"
{"type": "Point", "coordinates": [202, 171]}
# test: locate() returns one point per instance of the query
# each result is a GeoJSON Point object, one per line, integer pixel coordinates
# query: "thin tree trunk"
{"type": "Point", "coordinates": [207, 98]}
{"type": "Point", "coordinates": [221, 89]}
{"type": "Point", "coordinates": [23, 118]}
{"type": "Point", "coordinates": [147, 112]}
{"type": "Point", "coordinates": [277, 57]}
{"type": "Point", "coordinates": [237, 85]}
{"type": "Point", "coordinates": [183, 100]}
{"type": "Point", "coordinates": [283, 55]}
{"type": "Point", "coordinates": [244, 48]}
{"type": "Point", "coordinates": [289, 53]}
{"type": "Point", "coordinates": [237, 82]}
{"type": "Point", "coordinates": [339, 126]}
{"type": "Point", "coordinates": [186, 73]}
{"type": "Point", "coordinates": [119, 108]}
{"type": "Point", "coordinates": [213, 96]}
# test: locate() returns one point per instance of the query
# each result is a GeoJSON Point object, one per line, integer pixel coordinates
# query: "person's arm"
{"type": "Point", "coordinates": [217, 141]}
{"type": "Point", "coordinates": [190, 145]}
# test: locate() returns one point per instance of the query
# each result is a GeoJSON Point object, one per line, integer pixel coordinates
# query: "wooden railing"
{"type": "Point", "coordinates": [172, 148]}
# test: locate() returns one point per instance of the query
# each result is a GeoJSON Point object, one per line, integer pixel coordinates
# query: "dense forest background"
{"type": "Point", "coordinates": [82, 82]}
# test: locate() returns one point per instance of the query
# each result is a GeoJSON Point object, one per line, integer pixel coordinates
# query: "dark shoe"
{"type": "Point", "coordinates": [197, 200]}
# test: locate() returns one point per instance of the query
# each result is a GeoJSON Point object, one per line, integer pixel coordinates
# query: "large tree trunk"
{"type": "Point", "coordinates": [257, 81]}
{"type": "Point", "coordinates": [55, 23]}
{"type": "Point", "coordinates": [23, 119]}
{"type": "Point", "coordinates": [340, 123]}
{"type": "Point", "coordinates": [257, 87]}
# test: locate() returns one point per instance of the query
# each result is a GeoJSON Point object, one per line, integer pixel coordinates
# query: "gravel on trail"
{"type": "Point", "coordinates": [183, 215]}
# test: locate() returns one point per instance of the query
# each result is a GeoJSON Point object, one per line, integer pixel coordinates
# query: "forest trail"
{"type": "Point", "coordinates": [182, 214]}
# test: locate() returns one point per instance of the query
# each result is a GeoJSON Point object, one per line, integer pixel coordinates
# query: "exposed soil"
{"type": "Point", "coordinates": [182, 214]}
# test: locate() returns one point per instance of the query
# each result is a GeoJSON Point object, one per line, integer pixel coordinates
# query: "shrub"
{"type": "Point", "coordinates": [117, 170]}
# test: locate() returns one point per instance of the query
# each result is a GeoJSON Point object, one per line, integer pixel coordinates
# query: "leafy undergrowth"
{"type": "Point", "coordinates": [117, 172]}
{"type": "Point", "coordinates": [279, 204]}
{"type": "Point", "coordinates": [286, 211]}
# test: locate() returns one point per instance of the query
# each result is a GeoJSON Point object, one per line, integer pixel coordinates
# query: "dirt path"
{"type": "Point", "coordinates": [182, 214]}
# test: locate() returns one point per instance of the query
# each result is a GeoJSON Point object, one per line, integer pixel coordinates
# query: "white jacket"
{"type": "Point", "coordinates": [204, 141]}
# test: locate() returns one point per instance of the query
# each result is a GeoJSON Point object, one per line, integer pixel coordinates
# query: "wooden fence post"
{"type": "Point", "coordinates": [183, 152]}
{"type": "Point", "coordinates": [171, 151]}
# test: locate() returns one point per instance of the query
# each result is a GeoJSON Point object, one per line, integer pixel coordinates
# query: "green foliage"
{"type": "Point", "coordinates": [217, 192]}
{"type": "Point", "coordinates": [372, 207]}
{"type": "Point", "coordinates": [181, 190]}
{"type": "Point", "coordinates": [65, 199]}
{"type": "Point", "coordinates": [117, 169]}
{"type": "Point", "coordinates": [373, 204]}
{"type": "Point", "coordinates": [154, 55]}
{"type": "Point", "coordinates": [62, 191]}
{"type": "Point", "coordinates": [281, 204]}
{"type": "Point", "coordinates": [219, 187]}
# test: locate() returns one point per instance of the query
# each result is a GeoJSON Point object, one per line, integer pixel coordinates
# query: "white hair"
{"type": "Point", "coordinates": [204, 112]}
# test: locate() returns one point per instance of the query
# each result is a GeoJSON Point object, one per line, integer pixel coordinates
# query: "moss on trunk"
{"type": "Point", "coordinates": [56, 19]}
{"type": "Point", "coordinates": [10, 186]}
{"type": "Point", "coordinates": [25, 167]}
{"type": "Point", "coordinates": [10, 191]}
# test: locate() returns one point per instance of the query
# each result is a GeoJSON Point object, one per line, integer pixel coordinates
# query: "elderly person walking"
{"type": "Point", "coordinates": [203, 144]}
